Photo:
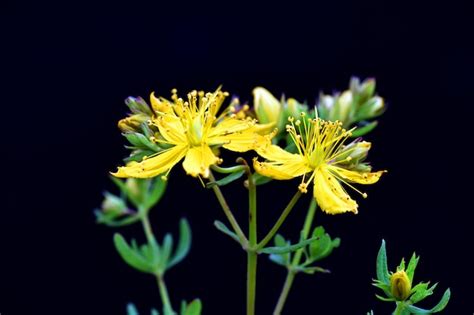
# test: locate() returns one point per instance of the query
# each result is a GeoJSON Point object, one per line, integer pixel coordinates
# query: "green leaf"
{"type": "Point", "coordinates": [226, 180]}
{"type": "Point", "coordinates": [412, 266]}
{"type": "Point", "coordinates": [363, 130]}
{"type": "Point", "coordinates": [312, 270]}
{"type": "Point", "coordinates": [140, 141]}
{"type": "Point", "coordinates": [184, 244]}
{"type": "Point", "coordinates": [131, 309]}
{"type": "Point", "coordinates": [154, 312]}
{"type": "Point", "coordinates": [131, 256]}
{"type": "Point", "coordinates": [158, 187]}
{"type": "Point", "coordinates": [224, 229]}
{"type": "Point", "coordinates": [165, 254]}
{"type": "Point", "coordinates": [288, 248]}
{"type": "Point", "coordinates": [443, 302]}
{"type": "Point", "coordinates": [281, 259]}
{"type": "Point", "coordinates": [260, 179]}
{"type": "Point", "coordinates": [417, 310]}
{"type": "Point", "coordinates": [385, 299]}
{"type": "Point", "coordinates": [194, 308]}
{"type": "Point", "coordinates": [323, 246]}
{"type": "Point", "coordinates": [382, 268]}
{"type": "Point", "coordinates": [421, 291]}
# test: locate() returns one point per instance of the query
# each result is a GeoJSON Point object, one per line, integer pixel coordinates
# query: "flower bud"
{"type": "Point", "coordinates": [343, 108]}
{"type": "Point", "coordinates": [132, 123]}
{"type": "Point", "coordinates": [400, 285]}
{"type": "Point", "coordinates": [353, 154]}
{"type": "Point", "coordinates": [267, 107]}
{"type": "Point", "coordinates": [138, 105]}
{"type": "Point", "coordinates": [294, 108]}
{"type": "Point", "coordinates": [114, 205]}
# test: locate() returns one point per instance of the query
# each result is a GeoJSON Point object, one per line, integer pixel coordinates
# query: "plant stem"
{"type": "Point", "coordinates": [165, 300]}
{"type": "Point", "coordinates": [280, 221]}
{"type": "Point", "coordinates": [167, 309]}
{"type": "Point", "coordinates": [251, 252]}
{"type": "Point", "coordinates": [147, 227]}
{"type": "Point", "coordinates": [290, 276]}
{"type": "Point", "coordinates": [296, 259]}
{"type": "Point", "coordinates": [228, 212]}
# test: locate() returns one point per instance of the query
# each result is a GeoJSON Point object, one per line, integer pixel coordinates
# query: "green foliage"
{"type": "Point", "coordinates": [319, 246]}
{"type": "Point", "coordinates": [152, 257]}
{"type": "Point", "coordinates": [142, 194]}
{"type": "Point", "coordinates": [416, 294]}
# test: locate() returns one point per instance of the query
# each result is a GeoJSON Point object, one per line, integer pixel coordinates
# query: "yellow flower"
{"type": "Point", "coordinates": [191, 128]}
{"type": "Point", "coordinates": [322, 158]}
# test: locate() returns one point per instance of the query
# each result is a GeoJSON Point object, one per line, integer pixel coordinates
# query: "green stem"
{"type": "Point", "coordinates": [400, 309]}
{"type": "Point", "coordinates": [168, 309]}
{"type": "Point", "coordinates": [280, 221]}
{"type": "Point", "coordinates": [296, 259]}
{"type": "Point", "coordinates": [290, 276]}
{"type": "Point", "coordinates": [228, 212]}
{"type": "Point", "coordinates": [251, 252]}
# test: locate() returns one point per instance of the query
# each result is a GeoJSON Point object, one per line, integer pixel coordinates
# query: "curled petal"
{"type": "Point", "coordinates": [330, 195]}
{"type": "Point", "coordinates": [153, 166]}
{"type": "Point", "coordinates": [356, 177]}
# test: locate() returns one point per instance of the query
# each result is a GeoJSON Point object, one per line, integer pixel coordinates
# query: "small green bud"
{"type": "Point", "coordinates": [400, 285]}
{"type": "Point", "coordinates": [267, 107]}
{"type": "Point", "coordinates": [138, 105]}
{"type": "Point", "coordinates": [114, 205]}
{"type": "Point", "coordinates": [367, 89]}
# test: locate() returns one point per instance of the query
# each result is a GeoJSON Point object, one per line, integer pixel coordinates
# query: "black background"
{"type": "Point", "coordinates": [67, 70]}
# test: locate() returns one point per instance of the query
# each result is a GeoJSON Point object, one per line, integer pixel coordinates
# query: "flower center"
{"type": "Point", "coordinates": [195, 131]}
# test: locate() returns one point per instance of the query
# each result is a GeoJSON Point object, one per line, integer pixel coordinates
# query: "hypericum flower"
{"type": "Point", "coordinates": [191, 129]}
{"type": "Point", "coordinates": [322, 158]}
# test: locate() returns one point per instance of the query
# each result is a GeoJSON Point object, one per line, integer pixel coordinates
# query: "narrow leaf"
{"type": "Point", "coordinates": [226, 180]}
{"type": "Point", "coordinates": [443, 302]}
{"type": "Point", "coordinates": [287, 249]}
{"type": "Point", "coordinates": [360, 131]}
{"type": "Point", "coordinates": [224, 229]}
{"type": "Point", "coordinates": [382, 268]}
{"type": "Point", "coordinates": [131, 256]}
{"type": "Point", "coordinates": [184, 244]}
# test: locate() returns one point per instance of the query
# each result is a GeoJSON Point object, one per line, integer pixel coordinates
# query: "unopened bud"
{"type": "Point", "coordinates": [267, 107]}
{"type": "Point", "coordinates": [400, 285]}
{"type": "Point", "coordinates": [132, 123]}
{"type": "Point", "coordinates": [113, 204]}
{"type": "Point", "coordinates": [138, 105]}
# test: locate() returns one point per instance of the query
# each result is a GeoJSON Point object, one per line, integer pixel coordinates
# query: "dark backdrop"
{"type": "Point", "coordinates": [66, 71]}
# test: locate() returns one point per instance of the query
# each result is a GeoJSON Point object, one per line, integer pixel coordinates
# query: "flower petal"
{"type": "Point", "coordinates": [153, 166]}
{"type": "Point", "coordinates": [288, 170]}
{"type": "Point", "coordinates": [171, 129]}
{"type": "Point", "coordinates": [230, 125]}
{"type": "Point", "coordinates": [198, 160]}
{"type": "Point", "coordinates": [356, 177]}
{"type": "Point", "coordinates": [330, 195]}
{"type": "Point", "coordinates": [275, 153]}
